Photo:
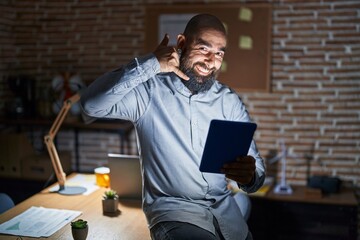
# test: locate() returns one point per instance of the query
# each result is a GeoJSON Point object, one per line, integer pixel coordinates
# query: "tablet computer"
{"type": "Point", "coordinates": [225, 141]}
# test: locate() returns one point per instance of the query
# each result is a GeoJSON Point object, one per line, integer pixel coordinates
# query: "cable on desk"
{"type": "Point", "coordinates": [48, 182]}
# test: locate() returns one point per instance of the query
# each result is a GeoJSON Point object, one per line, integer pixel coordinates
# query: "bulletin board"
{"type": "Point", "coordinates": [246, 65]}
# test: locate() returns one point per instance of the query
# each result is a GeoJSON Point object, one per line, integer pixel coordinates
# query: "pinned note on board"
{"type": "Point", "coordinates": [245, 42]}
{"type": "Point", "coordinates": [245, 14]}
{"type": "Point", "coordinates": [224, 66]}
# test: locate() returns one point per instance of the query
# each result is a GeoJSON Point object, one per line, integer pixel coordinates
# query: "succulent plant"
{"type": "Point", "coordinates": [110, 194]}
{"type": "Point", "coordinates": [79, 224]}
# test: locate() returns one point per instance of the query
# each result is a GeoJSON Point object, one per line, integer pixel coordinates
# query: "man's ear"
{"type": "Point", "coordinates": [180, 41]}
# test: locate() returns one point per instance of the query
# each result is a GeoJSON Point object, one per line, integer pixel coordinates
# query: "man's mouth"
{"type": "Point", "coordinates": [203, 70]}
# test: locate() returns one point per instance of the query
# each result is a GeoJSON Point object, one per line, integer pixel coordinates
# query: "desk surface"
{"type": "Point", "coordinates": [346, 196]}
{"type": "Point", "coordinates": [129, 224]}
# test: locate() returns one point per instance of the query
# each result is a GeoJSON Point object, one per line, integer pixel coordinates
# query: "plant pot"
{"type": "Point", "coordinates": [79, 233]}
{"type": "Point", "coordinates": [110, 205]}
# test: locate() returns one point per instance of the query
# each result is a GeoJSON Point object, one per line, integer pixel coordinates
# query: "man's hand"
{"type": "Point", "coordinates": [169, 58]}
{"type": "Point", "coordinates": [241, 171]}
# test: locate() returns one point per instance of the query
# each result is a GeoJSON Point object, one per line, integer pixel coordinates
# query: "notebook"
{"type": "Point", "coordinates": [225, 141]}
{"type": "Point", "coordinates": [125, 175]}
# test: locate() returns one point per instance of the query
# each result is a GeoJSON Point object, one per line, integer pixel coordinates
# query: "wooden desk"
{"type": "Point", "coordinates": [130, 224]}
{"type": "Point", "coordinates": [298, 216]}
{"type": "Point", "coordinates": [345, 197]}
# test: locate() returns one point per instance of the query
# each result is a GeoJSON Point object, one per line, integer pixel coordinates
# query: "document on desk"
{"type": "Point", "coordinates": [38, 222]}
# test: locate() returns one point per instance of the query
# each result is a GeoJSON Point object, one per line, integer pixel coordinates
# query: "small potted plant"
{"type": "Point", "coordinates": [79, 229]}
{"type": "Point", "coordinates": [110, 201]}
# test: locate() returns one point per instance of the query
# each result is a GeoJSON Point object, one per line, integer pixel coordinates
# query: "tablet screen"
{"type": "Point", "coordinates": [225, 141]}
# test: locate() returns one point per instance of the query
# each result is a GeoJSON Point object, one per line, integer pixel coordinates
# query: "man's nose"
{"type": "Point", "coordinates": [210, 59]}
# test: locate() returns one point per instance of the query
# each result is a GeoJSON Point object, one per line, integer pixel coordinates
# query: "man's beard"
{"type": "Point", "coordinates": [196, 83]}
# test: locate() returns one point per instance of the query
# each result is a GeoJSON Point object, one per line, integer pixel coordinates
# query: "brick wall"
{"type": "Point", "coordinates": [314, 104]}
{"type": "Point", "coordinates": [314, 100]}
{"type": "Point", "coordinates": [7, 21]}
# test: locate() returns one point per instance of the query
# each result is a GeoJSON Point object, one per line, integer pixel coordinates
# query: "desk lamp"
{"type": "Point", "coordinates": [49, 141]}
{"type": "Point", "coordinates": [282, 187]}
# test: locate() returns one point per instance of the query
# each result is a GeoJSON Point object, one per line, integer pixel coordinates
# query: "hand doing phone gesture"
{"type": "Point", "coordinates": [169, 58]}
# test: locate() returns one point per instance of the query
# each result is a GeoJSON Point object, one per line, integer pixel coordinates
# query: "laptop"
{"type": "Point", "coordinates": [125, 175]}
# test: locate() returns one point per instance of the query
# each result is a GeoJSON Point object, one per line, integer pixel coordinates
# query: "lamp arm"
{"type": "Point", "coordinates": [62, 114]}
{"type": "Point", "coordinates": [55, 160]}
{"type": "Point", "coordinates": [49, 139]}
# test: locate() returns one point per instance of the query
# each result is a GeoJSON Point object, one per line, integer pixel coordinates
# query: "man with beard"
{"type": "Point", "coordinates": [171, 97]}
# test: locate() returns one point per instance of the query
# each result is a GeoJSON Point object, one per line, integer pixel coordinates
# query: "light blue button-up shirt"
{"type": "Point", "coordinates": [171, 126]}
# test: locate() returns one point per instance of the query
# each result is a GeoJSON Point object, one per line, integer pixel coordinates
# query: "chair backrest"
{"type": "Point", "coordinates": [5, 202]}
{"type": "Point", "coordinates": [244, 203]}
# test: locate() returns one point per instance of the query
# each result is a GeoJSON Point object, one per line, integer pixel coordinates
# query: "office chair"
{"type": "Point", "coordinates": [244, 203]}
{"type": "Point", "coordinates": [241, 198]}
{"type": "Point", "coordinates": [5, 202]}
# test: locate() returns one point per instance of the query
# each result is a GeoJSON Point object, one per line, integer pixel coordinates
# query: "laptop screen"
{"type": "Point", "coordinates": [125, 175]}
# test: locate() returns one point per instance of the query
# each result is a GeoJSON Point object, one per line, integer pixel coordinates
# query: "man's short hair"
{"type": "Point", "coordinates": [203, 21]}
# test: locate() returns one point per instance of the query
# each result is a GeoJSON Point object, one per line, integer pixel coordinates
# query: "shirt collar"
{"type": "Point", "coordinates": [182, 89]}
{"type": "Point", "coordinates": [179, 86]}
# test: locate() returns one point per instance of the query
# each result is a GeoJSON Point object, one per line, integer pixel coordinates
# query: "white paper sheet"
{"type": "Point", "coordinates": [38, 222]}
